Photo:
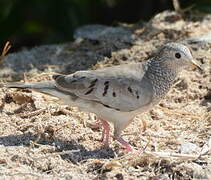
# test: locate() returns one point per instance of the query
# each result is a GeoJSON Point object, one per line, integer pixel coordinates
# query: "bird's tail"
{"type": "Point", "coordinates": [43, 87]}
{"type": "Point", "coordinates": [38, 85]}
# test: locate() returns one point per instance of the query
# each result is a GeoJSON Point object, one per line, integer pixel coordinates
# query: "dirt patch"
{"type": "Point", "coordinates": [43, 139]}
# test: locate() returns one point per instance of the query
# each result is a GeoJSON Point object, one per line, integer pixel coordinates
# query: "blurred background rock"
{"type": "Point", "coordinates": [26, 23]}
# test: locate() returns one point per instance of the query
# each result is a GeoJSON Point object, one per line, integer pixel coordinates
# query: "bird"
{"type": "Point", "coordinates": [117, 94]}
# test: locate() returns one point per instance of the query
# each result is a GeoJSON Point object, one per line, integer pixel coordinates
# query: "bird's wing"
{"type": "Point", "coordinates": [124, 88]}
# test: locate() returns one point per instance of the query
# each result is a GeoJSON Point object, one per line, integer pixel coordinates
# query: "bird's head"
{"type": "Point", "coordinates": [176, 56]}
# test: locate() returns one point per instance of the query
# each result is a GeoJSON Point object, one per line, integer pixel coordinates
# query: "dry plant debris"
{"type": "Point", "coordinates": [6, 48]}
{"type": "Point", "coordinates": [43, 139]}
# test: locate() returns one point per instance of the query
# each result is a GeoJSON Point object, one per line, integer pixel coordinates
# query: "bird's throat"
{"type": "Point", "coordinates": [161, 77]}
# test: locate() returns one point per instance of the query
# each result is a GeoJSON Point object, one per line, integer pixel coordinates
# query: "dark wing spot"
{"type": "Point", "coordinates": [106, 106]}
{"type": "Point", "coordinates": [130, 90]}
{"type": "Point", "coordinates": [82, 77]}
{"type": "Point", "coordinates": [106, 88]}
{"type": "Point", "coordinates": [106, 83]}
{"type": "Point", "coordinates": [92, 84]}
{"type": "Point", "coordinates": [73, 81]}
{"type": "Point", "coordinates": [114, 94]}
{"type": "Point", "coordinates": [55, 76]}
{"type": "Point", "coordinates": [137, 95]}
{"type": "Point", "coordinates": [94, 81]}
{"type": "Point", "coordinates": [89, 91]}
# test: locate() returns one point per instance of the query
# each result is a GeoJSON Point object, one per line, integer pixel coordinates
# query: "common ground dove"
{"type": "Point", "coordinates": [117, 94]}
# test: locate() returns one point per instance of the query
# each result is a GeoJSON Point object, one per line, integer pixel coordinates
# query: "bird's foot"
{"type": "Point", "coordinates": [95, 126]}
{"type": "Point", "coordinates": [126, 145]}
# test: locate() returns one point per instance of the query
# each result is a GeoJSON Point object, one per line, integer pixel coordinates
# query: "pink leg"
{"type": "Point", "coordinates": [106, 132]}
{"type": "Point", "coordinates": [126, 145]}
{"type": "Point", "coordinates": [106, 129]}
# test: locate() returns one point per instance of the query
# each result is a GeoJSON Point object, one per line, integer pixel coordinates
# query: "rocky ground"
{"type": "Point", "coordinates": [40, 138]}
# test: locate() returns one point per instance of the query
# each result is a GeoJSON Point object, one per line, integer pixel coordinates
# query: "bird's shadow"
{"type": "Point", "coordinates": [81, 153]}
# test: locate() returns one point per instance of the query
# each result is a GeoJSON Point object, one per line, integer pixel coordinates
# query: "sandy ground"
{"type": "Point", "coordinates": [40, 138]}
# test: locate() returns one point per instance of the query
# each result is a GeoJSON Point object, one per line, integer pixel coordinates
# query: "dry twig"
{"type": "Point", "coordinates": [169, 111]}
{"type": "Point", "coordinates": [30, 114]}
{"type": "Point", "coordinates": [6, 48]}
{"type": "Point", "coordinates": [177, 7]}
{"type": "Point", "coordinates": [176, 155]}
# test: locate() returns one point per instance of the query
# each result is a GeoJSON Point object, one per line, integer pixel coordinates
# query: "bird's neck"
{"type": "Point", "coordinates": [161, 76]}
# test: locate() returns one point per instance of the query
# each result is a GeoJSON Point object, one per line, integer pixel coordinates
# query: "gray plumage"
{"type": "Point", "coordinates": [117, 94]}
{"type": "Point", "coordinates": [101, 85]}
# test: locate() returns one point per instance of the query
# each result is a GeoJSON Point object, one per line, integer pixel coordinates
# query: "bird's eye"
{"type": "Point", "coordinates": [178, 55]}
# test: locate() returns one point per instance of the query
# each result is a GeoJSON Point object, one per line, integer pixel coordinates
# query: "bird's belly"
{"type": "Point", "coordinates": [109, 114]}
{"type": "Point", "coordinates": [106, 113]}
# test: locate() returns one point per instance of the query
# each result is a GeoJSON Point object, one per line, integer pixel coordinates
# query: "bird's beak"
{"type": "Point", "coordinates": [195, 64]}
